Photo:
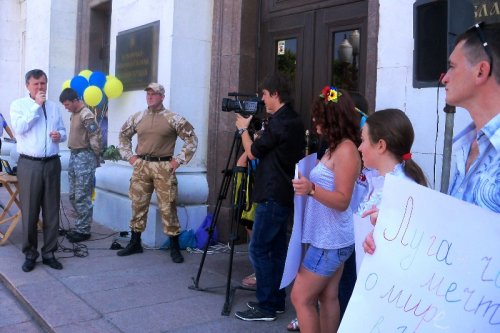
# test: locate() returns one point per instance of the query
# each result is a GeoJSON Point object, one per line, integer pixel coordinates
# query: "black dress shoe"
{"type": "Point", "coordinates": [29, 264]}
{"type": "Point", "coordinates": [76, 237]}
{"type": "Point", "coordinates": [53, 263]}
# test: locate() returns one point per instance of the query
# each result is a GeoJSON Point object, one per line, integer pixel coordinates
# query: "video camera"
{"type": "Point", "coordinates": [244, 104]}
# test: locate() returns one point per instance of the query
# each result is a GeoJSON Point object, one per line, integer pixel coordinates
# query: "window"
{"type": "Point", "coordinates": [345, 59]}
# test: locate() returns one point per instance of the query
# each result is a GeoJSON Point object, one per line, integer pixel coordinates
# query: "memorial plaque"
{"type": "Point", "coordinates": [137, 56]}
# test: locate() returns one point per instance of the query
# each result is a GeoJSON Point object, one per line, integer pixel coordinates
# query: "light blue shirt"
{"type": "Point", "coordinates": [3, 124]}
{"type": "Point", "coordinates": [481, 184]}
{"type": "Point", "coordinates": [375, 185]}
{"type": "Point", "coordinates": [32, 128]}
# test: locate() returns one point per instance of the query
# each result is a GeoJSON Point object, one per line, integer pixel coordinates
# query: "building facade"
{"type": "Point", "coordinates": [208, 48]}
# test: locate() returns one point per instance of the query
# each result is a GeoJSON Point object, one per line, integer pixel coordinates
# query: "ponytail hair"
{"type": "Point", "coordinates": [413, 170]}
{"type": "Point", "coordinates": [395, 128]}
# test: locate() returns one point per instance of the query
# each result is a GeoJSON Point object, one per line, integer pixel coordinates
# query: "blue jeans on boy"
{"type": "Point", "coordinates": [268, 248]}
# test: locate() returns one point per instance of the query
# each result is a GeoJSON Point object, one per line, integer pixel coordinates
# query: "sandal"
{"type": "Point", "coordinates": [250, 281]}
{"type": "Point", "coordinates": [293, 325]}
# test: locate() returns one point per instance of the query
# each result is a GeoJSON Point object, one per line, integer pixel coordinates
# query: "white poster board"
{"type": "Point", "coordinates": [436, 267]}
{"type": "Point", "coordinates": [294, 254]}
{"type": "Point", "coordinates": [362, 227]}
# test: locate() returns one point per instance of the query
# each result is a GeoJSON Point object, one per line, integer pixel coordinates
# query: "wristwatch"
{"type": "Point", "coordinates": [313, 190]}
{"type": "Point", "coordinates": [241, 131]}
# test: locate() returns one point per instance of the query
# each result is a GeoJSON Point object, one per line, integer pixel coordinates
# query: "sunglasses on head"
{"type": "Point", "coordinates": [477, 28]}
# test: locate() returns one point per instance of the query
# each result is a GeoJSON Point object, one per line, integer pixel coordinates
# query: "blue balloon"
{"type": "Point", "coordinates": [79, 84]}
{"type": "Point", "coordinates": [104, 100]}
{"type": "Point", "coordinates": [97, 79]}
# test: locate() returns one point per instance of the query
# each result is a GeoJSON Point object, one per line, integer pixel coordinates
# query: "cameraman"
{"type": "Point", "coordinates": [278, 149]}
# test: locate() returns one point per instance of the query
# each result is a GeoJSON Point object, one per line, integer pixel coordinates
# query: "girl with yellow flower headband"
{"type": "Point", "coordinates": [328, 219]}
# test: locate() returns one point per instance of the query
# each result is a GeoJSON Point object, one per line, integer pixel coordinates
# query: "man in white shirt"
{"type": "Point", "coordinates": [39, 128]}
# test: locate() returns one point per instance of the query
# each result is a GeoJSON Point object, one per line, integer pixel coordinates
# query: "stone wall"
{"type": "Point", "coordinates": [112, 207]}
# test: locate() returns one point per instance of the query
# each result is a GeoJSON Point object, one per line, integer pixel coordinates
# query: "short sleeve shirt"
{"type": "Point", "coordinates": [481, 184]}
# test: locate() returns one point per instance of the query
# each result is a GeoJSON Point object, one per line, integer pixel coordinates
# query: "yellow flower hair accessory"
{"type": "Point", "coordinates": [330, 94]}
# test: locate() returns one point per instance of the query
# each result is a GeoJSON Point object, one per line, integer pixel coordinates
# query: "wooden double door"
{"type": "Point", "coordinates": [315, 43]}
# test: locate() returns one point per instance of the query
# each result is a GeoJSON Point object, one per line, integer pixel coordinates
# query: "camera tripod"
{"type": "Point", "coordinates": [239, 204]}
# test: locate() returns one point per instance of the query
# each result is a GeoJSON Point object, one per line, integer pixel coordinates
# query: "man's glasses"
{"type": "Point", "coordinates": [486, 46]}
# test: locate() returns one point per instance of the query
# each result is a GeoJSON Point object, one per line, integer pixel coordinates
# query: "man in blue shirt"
{"type": "Point", "coordinates": [473, 82]}
{"type": "Point", "coordinates": [3, 125]}
{"type": "Point", "coordinates": [278, 148]}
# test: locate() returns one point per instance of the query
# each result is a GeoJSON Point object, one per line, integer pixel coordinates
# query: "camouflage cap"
{"type": "Point", "coordinates": [156, 87]}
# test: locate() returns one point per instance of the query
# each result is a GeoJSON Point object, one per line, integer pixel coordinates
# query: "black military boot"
{"type": "Point", "coordinates": [134, 246]}
{"type": "Point", "coordinates": [175, 250]}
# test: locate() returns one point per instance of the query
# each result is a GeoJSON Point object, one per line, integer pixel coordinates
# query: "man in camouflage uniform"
{"type": "Point", "coordinates": [157, 130]}
{"type": "Point", "coordinates": [85, 145]}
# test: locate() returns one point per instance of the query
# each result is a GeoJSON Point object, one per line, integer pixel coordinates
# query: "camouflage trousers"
{"type": "Point", "coordinates": [81, 173]}
{"type": "Point", "coordinates": [146, 178]}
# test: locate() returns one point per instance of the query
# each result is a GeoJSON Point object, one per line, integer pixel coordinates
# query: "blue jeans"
{"type": "Point", "coordinates": [268, 248]}
{"type": "Point", "coordinates": [325, 262]}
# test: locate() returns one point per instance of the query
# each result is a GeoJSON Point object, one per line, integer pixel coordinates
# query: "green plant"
{"type": "Point", "coordinates": [287, 64]}
{"type": "Point", "coordinates": [112, 153]}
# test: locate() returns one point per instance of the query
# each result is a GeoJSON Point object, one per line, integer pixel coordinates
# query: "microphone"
{"type": "Point", "coordinates": [44, 111]}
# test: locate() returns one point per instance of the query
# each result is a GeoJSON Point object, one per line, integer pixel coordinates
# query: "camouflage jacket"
{"type": "Point", "coordinates": [85, 132]}
{"type": "Point", "coordinates": [157, 132]}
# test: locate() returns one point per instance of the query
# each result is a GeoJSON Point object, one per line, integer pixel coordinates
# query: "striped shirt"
{"type": "Point", "coordinates": [325, 227]}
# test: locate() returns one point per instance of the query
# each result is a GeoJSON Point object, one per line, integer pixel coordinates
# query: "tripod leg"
{"type": "Point", "coordinates": [196, 281]}
{"type": "Point", "coordinates": [226, 181]}
{"type": "Point", "coordinates": [241, 202]}
{"type": "Point", "coordinates": [226, 309]}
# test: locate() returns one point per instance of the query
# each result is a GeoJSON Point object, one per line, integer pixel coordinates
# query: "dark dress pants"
{"type": "Point", "coordinates": [39, 187]}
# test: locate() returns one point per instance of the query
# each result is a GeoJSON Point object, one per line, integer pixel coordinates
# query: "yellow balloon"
{"type": "Point", "coordinates": [109, 77]}
{"type": "Point", "coordinates": [113, 87]}
{"type": "Point", "coordinates": [92, 95]}
{"type": "Point", "coordinates": [85, 73]}
{"type": "Point", "coordinates": [66, 84]}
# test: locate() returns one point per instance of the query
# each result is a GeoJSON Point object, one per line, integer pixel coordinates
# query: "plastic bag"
{"type": "Point", "coordinates": [186, 239]}
{"type": "Point", "coordinates": [202, 233]}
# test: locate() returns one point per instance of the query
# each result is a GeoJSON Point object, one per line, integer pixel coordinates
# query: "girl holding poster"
{"type": "Point", "coordinates": [327, 225]}
{"type": "Point", "coordinates": [386, 141]}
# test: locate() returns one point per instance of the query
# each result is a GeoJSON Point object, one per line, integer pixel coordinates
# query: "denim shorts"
{"type": "Point", "coordinates": [326, 262]}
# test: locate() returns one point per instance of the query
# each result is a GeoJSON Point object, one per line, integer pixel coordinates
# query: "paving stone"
{"type": "Point", "coordinates": [101, 292]}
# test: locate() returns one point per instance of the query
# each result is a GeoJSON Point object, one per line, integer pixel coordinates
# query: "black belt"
{"type": "Point", "coordinates": [154, 158]}
{"type": "Point", "coordinates": [41, 159]}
